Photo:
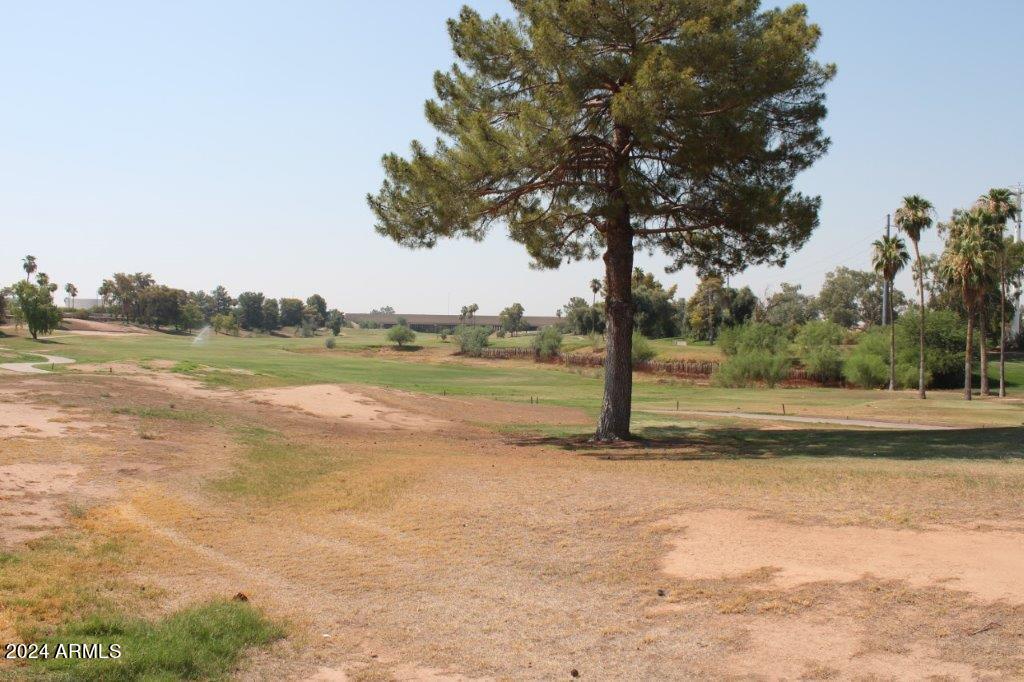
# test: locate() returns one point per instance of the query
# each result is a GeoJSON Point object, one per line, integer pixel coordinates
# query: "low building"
{"type": "Point", "coordinates": [435, 323]}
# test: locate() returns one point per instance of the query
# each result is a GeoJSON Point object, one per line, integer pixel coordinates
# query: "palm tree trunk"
{"type": "Point", "coordinates": [920, 354]}
{"type": "Point", "coordinates": [968, 368]}
{"type": "Point", "coordinates": [1002, 332]}
{"type": "Point", "coordinates": [892, 349]}
{"type": "Point", "coordinates": [983, 348]}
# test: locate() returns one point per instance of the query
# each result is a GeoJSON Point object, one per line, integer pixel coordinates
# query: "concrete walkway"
{"type": "Point", "coordinates": [866, 423]}
{"type": "Point", "coordinates": [31, 367]}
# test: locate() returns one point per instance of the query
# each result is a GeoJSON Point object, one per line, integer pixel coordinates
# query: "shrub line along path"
{"type": "Point", "coordinates": [866, 423]}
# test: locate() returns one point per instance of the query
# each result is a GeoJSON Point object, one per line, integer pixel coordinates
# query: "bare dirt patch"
{"type": "Point", "coordinates": [341, 402]}
{"type": "Point", "coordinates": [727, 543]}
{"type": "Point", "coordinates": [171, 381]}
{"type": "Point", "coordinates": [26, 420]}
{"type": "Point", "coordinates": [96, 328]}
{"type": "Point", "coordinates": [32, 497]}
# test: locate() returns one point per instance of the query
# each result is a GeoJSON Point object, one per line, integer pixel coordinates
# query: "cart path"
{"type": "Point", "coordinates": [31, 368]}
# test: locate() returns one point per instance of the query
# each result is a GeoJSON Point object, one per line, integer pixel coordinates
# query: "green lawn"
{"type": "Point", "coordinates": [286, 361]}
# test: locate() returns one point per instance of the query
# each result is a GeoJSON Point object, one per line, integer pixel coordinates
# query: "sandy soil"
{"type": "Point", "coordinates": [452, 553]}
{"type": "Point", "coordinates": [725, 543]}
{"type": "Point", "coordinates": [31, 499]}
{"type": "Point", "coordinates": [335, 401]}
{"type": "Point", "coordinates": [96, 328]}
{"type": "Point", "coordinates": [20, 419]}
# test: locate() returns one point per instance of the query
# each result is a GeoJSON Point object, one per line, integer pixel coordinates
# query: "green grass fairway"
{"type": "Point", "coordinates": [278, 361]}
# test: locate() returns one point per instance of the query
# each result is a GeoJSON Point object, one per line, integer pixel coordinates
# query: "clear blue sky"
{"type": "Point", "coordinates": [233, 142]}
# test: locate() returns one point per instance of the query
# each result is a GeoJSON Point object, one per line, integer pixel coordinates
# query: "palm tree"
{"type": "Point", "coordinates": [889, 257]}
{"type": "Point", "coordinates": [999, 206]}
{"type": "Point", "coordinates": [966, 263]}
{"type": "Point", "coordinates": [72, 291]}
{"type": "Point", "coordinates": [595, 286]}
{"type": "Point", "coordinates": [912, 218]}
{"type": "Point", "coordinates": [28, 264]}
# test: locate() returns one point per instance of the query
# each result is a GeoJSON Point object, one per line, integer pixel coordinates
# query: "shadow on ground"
{"type": "Point", "coordinates": [689, 443]}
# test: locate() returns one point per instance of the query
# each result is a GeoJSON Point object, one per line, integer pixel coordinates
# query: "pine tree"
{"type": "Point", "coordinates": [593, 128]}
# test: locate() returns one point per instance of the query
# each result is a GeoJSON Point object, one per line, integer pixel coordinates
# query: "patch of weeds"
{"type": "Point", "coordinates": [199, 642]}
{"type": "Point", "coordinates": [55, 579]}
{"type": "Point", "coordinates": [165, 413]}
{"type": "Point", "coordinates": [275, 467]}
{"type": "Point", "coordinates": [187, 367]}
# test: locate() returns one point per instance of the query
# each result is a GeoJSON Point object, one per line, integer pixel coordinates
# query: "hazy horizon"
{"type": "Point", "coordinates": [234, 144]}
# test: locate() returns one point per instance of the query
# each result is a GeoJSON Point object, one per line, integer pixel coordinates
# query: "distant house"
{"type": "Point", "coordinates": [435, 323]}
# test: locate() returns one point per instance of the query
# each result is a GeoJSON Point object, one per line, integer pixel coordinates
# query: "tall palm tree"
{"type": "Point", "coordinates": [72, 291]}
{"type": "Point", "coordinates": [29, 265]}
{"type": "Point", "coordinates": [998, 204]}
{"type": "Point", "coordinates": [966, 263]}
{"type": "Point", "coordinates": [889, 257]}
{"type": "Point", "coordinates": [595, 286]}
{"type": "Point", "coordinates": [913, 218]}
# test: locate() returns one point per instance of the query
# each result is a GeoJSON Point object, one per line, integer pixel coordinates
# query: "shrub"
{"type": "Point", "coordinates": [754, 352]}
{"type": "Point", "coordinates": [817, 346]}
{"type": "Point", "coordinates": [306, 329]}
{"type": "Point", "coordinates": [548, 343]}
{"type": "Point", "coordinates": [945, 336]}
{"type": "Point", "coordinates": [747, 367]}
{"type": "Point", "coordinates": [400, 335]}
{"type": "Point", "coordinates": [329, 342]}
{"type": "Point", "coordinates": [472, 339]}
{"type": "Point", "coordinates": [642, 351]}
{"type": "Point", "coordinates": [868, 364]}
{"type": "Point", "coordinates": [753, 336]}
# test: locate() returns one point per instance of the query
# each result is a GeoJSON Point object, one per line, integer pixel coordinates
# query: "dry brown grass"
{"type": "Point", "coordinates": [470, 552]}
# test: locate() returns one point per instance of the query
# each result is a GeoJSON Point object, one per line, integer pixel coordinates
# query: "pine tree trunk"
{"type": "Point", "coordinates": [892, 348]}
{"type": "Point", "coordinates": [920, 354]}
{"type": "Point", "coordinates": [983, 348]}
{"type": "Point", "coordinates": [967, 354]}
{"type": "Point", "coordinates": [1002, 334]}
{"type": "Point", "coordinates": [613, 424]}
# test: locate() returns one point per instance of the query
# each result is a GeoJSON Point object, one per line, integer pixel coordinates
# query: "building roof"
{"type": "Point", "coordinates": [449, 320]}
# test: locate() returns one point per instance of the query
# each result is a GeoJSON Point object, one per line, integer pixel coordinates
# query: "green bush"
{"type": "Point", "coordinates": [945, 337]}
{"type": "Point", "coordinates": [472, 339]}
{"type": "Point", "coordinates": [868, 364]}
{"type": "Point", "coordinates": [755, 352]}
{"type": "Point", "coordinates": [751, 337]}
{"type": "Point", "coordinates": [401, 335]}
{"type": "Point", "coordinates": [642, 351]}
{"type": "Point", "coordinates": [750, 366]}
{"type": "Point", "coordinates": [817, 345]}
{"type": "Point", "coordinates": [329, 342]}
{"type": "Point", "coordinates": [547, 343]}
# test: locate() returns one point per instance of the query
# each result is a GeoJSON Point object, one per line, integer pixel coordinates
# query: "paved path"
{"type": "Point", "coordinates": [31, 368]}
{"type": "Point", "coordinates": [867, 423]}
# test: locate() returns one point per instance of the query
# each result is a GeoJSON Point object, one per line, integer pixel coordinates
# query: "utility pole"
{"type": "Point", "coordinates": [885, 285]}
{"type": "Point", "coordinates": [1016, 324]}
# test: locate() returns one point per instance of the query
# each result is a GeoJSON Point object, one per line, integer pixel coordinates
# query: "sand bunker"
{"type": "Point", "coordinates": [340, 402]}
{"type": "Point", "coordinates": [725, 543]}
{"type": "Point", "coordinates": [19, 420]}
{"type": "Point", "coordinates": [31, 497]}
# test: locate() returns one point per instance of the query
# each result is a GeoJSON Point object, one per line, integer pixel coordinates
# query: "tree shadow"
{"type": "Point", "coordinates": [684, 443]}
